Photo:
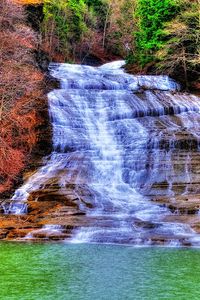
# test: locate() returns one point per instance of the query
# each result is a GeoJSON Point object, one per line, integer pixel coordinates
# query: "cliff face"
{"type": "Point", "coordinates": [23, 113]}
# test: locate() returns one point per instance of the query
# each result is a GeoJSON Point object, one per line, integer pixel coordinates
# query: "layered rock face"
{"type": "Point", "coordinates": [124, 166]}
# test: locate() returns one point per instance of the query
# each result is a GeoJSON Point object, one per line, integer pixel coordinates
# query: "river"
{"type": "Point", "coordinates": [97, 272]}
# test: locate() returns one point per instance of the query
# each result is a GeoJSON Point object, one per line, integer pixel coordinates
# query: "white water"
{"type": "Point", "coordinates": [109, 132]}
{"type": "Point", "coordinates": [46, 231]}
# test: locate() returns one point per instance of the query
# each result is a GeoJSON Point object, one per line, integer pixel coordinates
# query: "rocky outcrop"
{"type": "Point", "coordinates": [139, 186]}
{"type": "Point", "coordinates": [47, 206]}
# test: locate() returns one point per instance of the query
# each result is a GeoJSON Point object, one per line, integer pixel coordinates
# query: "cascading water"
{"type": "Point", "coordinates": [120, 136]}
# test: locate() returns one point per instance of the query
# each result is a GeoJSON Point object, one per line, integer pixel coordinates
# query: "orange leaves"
{"type": "Point", "coordinates": [36, 76]}
{"type": "Point", "coordinates": [11, 163]}
{"type": "Point", "coordinates": [24, 135]}
{"type": "Point", "coordinates": [17, 138]}
{"type": "Point", "coordinates": [11, 158]}
{"type": "Point", "coordinates": [18, 74]}
{"type": "Point", "coordinates": [26, 2]}
{"type": "Point", "coordinates": [20, 89]}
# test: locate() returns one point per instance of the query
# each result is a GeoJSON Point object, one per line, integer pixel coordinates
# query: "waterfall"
{"type": "Point", "coordinates": [127, 139]}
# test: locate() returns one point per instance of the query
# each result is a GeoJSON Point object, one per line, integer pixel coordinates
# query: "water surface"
{"type": "Point", "coordinates": [97, 272]}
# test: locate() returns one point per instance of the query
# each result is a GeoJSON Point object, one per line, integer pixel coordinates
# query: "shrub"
{"type": "Point", "coordinates": [20, 86]}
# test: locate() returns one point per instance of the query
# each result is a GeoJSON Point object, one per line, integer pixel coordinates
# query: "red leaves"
{"type": "Point", "coordinates": [20, 89]}
{"type": "Point", "coordinates": [17, 138]}
{"type": "Point", "coordinates": [11, 163]}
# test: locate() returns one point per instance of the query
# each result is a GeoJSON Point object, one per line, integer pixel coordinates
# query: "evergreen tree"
{"type": "Point", "coordinates": [151, 16]}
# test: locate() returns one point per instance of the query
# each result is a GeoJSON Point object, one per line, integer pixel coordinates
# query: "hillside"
{"type": "Point", "coordinates": [89, 32]}
{"type": "Point", "coordinates": [22, 100]}
{"type": "Point", "coordinates": [154, 37]}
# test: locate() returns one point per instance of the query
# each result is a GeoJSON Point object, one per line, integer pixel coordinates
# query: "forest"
{"type": "Point", "coordinates": [153, 36]}
{"type": "Point", "coordinates": [99, 149]}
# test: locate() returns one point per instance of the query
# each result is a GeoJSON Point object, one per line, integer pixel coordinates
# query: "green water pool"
{"type": "Point", "coordinates": [97, 272]}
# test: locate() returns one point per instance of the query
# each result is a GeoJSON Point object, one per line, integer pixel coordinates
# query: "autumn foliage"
{"type": "Point", "coordinates": [20, 92]}
{"type": "Point", "coordinates": [27, 2]}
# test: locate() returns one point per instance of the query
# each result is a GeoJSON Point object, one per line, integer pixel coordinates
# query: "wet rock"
{"type": "Point", "coordinates": [17, 234]}
{"type": "Point", "coordinates": [157, 154]}
{"type": "Point", "coordinates": [146, 224]}
{"type": "Point", "coordinates": [182, 205]}
{"type": "Point", "coordinates": [3, 233]}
